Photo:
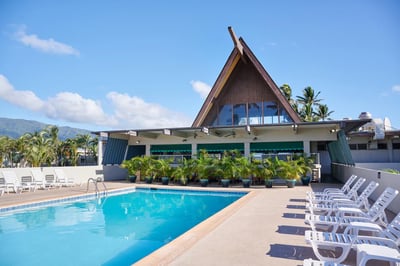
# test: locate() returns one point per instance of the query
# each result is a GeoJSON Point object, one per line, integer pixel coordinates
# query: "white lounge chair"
{"type": "Point", "coordinates": [366, 252]}
{"type": "Point", "coordinates": [40, 180]}
{"type": "Point", "coordinates": [62, 179]}
{"type": "Point", "coordinates": [389, 237]}
{"type": "Point", "coordinates": [344, 189]}
{"type": "Point", "coordinates": [375, 214]}
{"type": "Point", "coordinates": [351, 194]}
{"type": "Point", "coordinates": [11, 181]}
{"type": "Point", "coordinates": [329, 207]}
{"type": "Point", "coordinates": [311, 262]}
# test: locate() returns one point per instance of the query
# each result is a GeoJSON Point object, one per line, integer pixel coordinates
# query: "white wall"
{"type": "Point", "coordinates": [81, 174]}
{"type": "Point", "coordinates": [343, 172]}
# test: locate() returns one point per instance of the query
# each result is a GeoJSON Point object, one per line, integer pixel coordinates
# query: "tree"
{"type": "Point", "coordinates": [305, 105]}
{"type": "Point", "coordinates": [323, 112]}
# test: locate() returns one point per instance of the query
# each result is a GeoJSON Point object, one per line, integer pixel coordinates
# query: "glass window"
{"type": "Point", "coordinates": [284, 117]}
{"type": "Point", "coordinates": [239, 114]}
{"type": "Point", "coordinates": [396, 146]}
{"type": "Point", "coordinates": [255, 113]}
{"type": "Point", "coordinates": [225, 115]}
{"type": "Point", "coordinates": [270, 113]}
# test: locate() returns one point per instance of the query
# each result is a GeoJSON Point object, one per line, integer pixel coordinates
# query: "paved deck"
{"type": "Point", "coordinates": [266, 227]}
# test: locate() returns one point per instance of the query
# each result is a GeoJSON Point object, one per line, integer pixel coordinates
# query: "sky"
{"type": "Point", "coordinates": [127, 64]}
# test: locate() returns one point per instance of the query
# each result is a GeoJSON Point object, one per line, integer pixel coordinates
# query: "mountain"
{"type": "Point", "coordinates": [14, 128]}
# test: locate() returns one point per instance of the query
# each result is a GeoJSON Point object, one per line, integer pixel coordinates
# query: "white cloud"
{"type": "Point", "coordinates": [134, 112]}
{"type": "Point", "coordinates": [73, 107]}
{"type": "Point", "coordinates": [25, 99]}
{"type": "Point", "coordinates": [44, 45]}
{"type": "Point", "coordinates": [201, 88]}
{"type": "Point", "coordinates": [396, 88]}
{"type": "Point", "coordinates": [129, 111]}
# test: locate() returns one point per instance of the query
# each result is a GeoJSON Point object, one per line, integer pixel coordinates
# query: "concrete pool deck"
{"type": "Point", "coordinates": [265, 227]}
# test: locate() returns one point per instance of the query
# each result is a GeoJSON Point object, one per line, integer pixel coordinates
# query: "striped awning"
{"type": "Point", "coordinates": [171, 148]}
{"type": "Point", "coordinates": [220, 147]}
{"type": "Point", "coordinates": [276, 146]}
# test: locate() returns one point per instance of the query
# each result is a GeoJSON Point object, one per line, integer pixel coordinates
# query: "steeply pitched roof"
{"type": "Point", "coordinates": [242, 52]}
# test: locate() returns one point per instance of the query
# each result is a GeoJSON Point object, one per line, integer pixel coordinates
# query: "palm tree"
{"type": "Point", "coordinates": [309, 97]}
{"type": "Point", "coordinates": [83, 141]}
{"type": "Point", "coordinates": [323, 112]}
{"type": "Point", "coordinates": [38, 148]}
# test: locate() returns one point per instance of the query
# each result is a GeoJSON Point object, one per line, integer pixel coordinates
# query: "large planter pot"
{"type": "Point", "coordinates": [291, 183]}
{"type": "Point", "coordinates": [268, 183]}
{"type": "Point", "coordinates": [164, 180]}
{"type": "Point", "coordinates": [225, 182]}
{"type": "Point", "coordinates": [204, 182]}
{"type": "Point", "coordinates": [148, 179]}
{"type": "Point", "coordinates": [132, 178]}
{"type": "Point", "coordinates": [305, 180]}
{"type": "Point", "coordinates": [246, 182]}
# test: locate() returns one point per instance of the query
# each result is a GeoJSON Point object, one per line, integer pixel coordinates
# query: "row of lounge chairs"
{"type": "Point", "coordinates": [342, 220]}
{"type": "Point", "coordinates": [9, 182]}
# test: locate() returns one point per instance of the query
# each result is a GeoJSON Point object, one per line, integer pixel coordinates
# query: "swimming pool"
{"type": "Point", "coordinates": [116, 230]}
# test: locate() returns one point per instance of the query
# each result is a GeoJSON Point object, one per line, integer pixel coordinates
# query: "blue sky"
{"type": "Point", "coordinates": [149, 64]}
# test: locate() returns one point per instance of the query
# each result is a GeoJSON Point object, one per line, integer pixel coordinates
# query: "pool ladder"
{"type": "Point", "coordinates": [95, 182]}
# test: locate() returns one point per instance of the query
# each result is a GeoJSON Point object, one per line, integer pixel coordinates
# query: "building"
{"type": "Point", "coordinates": [246, 111]}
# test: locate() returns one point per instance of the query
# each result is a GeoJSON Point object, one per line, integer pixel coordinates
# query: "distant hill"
{"type": "Point", "coordinates": [14, 128]}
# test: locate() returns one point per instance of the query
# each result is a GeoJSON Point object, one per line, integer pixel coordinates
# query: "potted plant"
{"type": "Point", "coordinates": [244, 169]}
{"type": "Point", "coordinates": [183, 171]}
{"type": "Point", "coordinates": [227, 169]}
{"type": "Point", "coordinates": [164, 170]}
{"type": "Point", "coordinates": [204, 167]}
{"type": "Point", "coordinates": [270, 170]}
{"type": "Point", "coordinates": [133, 166]}
{"type": "Point", "coordinates": [149, 168]}
{"type": "Point", "coordinates": [305, 164]}
{"type": "Point", "coordinates": [291, 171]}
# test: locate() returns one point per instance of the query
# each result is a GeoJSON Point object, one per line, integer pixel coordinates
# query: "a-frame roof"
{"type": "Point", "coordinates": [242, 52]}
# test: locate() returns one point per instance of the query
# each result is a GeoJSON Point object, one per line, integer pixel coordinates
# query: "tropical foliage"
{"type": "Point", "coordinates": [44, 148]}
{"type": "Point", "coordinates": [308, 105]}
{"type": "Point", "coordinates": [232, 166]}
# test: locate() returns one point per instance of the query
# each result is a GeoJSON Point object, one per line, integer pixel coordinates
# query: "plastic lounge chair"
{"type": "Point", "coordinates": [311, 262]}
{"type": "Point", "coordinates": [375, 214]}
{"type": "Point", "coordinates": [329, 207]}
{"type": "Point", "coordinates": [40, 180]}
{"type": "Point", "coordinates": [2, 187]}
{"type": "Point", "coordinates": [62, 179]}
{"type": "Point", "coordinates": [352, 194]}
{"type": "Point", "coordinates": [366, 252]}
{"type": "Point", "coordinates": [344, 189]}
{"type": "Point", "coordinates": [388, 238]}
{"type": "Point", "coordinates": [11, 181]}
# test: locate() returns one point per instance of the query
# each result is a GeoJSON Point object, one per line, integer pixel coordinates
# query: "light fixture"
{"type": "Point", "coordinates": [184, 140]}
{"type": "Point", "coordinates": [205, 130]}
{"type": "Point", "coordinates": [255, 138]}
{"type": "Point", "coordinates": [333, 130]}
{"type": "Point", "coordinates": [248, 129]}
{"type": "Point", "coordinates": [295, 127]}
{"type": "Point", "coordinates": [133, 133]}
{"type": "Point", "coordinates": [137, 142]}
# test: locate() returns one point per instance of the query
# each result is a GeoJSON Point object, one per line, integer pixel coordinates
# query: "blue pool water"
{"type": "Point", "coordinates": [117, 230]}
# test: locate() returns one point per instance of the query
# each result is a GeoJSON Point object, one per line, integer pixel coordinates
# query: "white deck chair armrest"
{"type": "Point", "coordinates": [355, 227]}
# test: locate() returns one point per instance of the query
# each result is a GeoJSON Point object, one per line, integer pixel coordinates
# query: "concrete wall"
{"type": "Point", "coordinates": [80, 173]}
{"type": "Point", "coordinates": [343, 172]}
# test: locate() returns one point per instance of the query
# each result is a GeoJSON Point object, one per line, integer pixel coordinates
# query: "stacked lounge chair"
{"type": "Point", "coordinates": [361, 228]}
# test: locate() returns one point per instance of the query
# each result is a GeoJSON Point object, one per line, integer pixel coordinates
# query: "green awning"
{"type": "Point", "coordinates": [220, 147]}
{"type": "Point", "coordinates": [276, 146]}
{"type": "Point", "coordinates": [171, 148]}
